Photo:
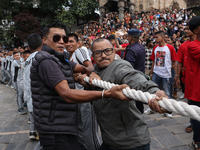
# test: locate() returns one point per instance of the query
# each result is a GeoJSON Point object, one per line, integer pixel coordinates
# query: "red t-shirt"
{"type": "Point", "coordinates": [163, 56]}
{"type": "Point", "coordinates": [192, 80]}
{"type": "Point", "coordinates": [182, 53]}
{"type": "Point", "coordinates": [182, 57]}
{"type": "Point", "coordinates": [124, 46]}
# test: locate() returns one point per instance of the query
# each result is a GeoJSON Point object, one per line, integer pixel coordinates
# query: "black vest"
{"type": "Point", "coordinates": [52, 114]}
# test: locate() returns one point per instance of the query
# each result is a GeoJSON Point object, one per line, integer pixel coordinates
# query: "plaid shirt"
{"type": "Point", "coordinates": [148, 61]}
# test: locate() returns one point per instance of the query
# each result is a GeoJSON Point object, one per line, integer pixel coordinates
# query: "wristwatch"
{"type": "Point", "coordinates": [94, 71]}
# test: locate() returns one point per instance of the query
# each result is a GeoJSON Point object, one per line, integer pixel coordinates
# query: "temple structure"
{"type": "Point", "coordinates": [131, 6]}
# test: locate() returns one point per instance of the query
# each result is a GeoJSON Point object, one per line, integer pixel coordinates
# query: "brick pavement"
{"type": "Point", "coordinates": [166, 134]}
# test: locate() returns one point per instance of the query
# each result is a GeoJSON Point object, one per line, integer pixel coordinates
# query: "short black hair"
{"type": "Point", "coordinates": [27, 52]}
{"type": "Point", "coordinates": [56, 24]}
{"type": "Point", "coordinates": [148, 41]}
{"type": "Point", "coordinates": [194, 23]}
{"type": "Point", "coordinates": [15, 53]}
{"type": "Point", "coordinates": [73, 35]}
{"type": "Point", "coordinates": [161, 33]}
{"type": "Point", "coordinates": [99, 40]}
{"type": "Point", "coordinates": [34, 41]}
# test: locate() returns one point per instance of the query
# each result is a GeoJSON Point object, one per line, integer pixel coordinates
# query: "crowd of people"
{"type": "Point", "coordinates": [147, 51]}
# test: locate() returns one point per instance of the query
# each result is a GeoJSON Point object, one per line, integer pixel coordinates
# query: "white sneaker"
{"type": "Point", "coordinates": [148, 111]}
{"type": "Point", "coordinates": [12, 87]}
{"type": "Point", "coordinates": [182, 96]}
{"type": "Point", "coordinates": [7, 85]}
{"type": "Point", "coordinates": [168, 115]}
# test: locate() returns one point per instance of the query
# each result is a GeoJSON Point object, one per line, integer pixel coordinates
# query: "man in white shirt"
{"type": "Point", "coordinates": [87, 126]}
{"type": "Point", "coordinates": [16, 69]}
{"type": "Point", "coordinates": [35, 45]}
{"type": "Point", "coordinates": [163, 57]}
{"type": "Point", "coordinates": [9, 60]}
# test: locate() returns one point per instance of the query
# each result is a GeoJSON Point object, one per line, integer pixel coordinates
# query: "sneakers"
{"type": "Point", "coordinates": [182, 96]}
{"type": "Point", "coordinates": [12, 87]}
{"type": "Point", "coordinates": [29, 121]}
{"type": "Point", "coordinates": [148, 111]}
{"type": "Point", "coordinates": [25, 104]}
{"type": "Point", "coordinates": [21, 111]}
{"type": "Point", "coordinates": [7, 85]}
{"type": "Point", "coordinates": [32, 135]}
{"type": "Point", "coordinates": [2, 82]}
{"type": "Point", "coordinates": [168, 115]}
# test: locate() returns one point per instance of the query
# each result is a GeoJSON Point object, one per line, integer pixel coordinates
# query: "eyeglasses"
{"type": "Point", "coordinates": [107, 51]}
{"type": "Point", "coordinates": [57, 38]}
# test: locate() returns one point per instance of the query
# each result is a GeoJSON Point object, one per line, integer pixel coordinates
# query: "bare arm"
{"type": "Point", "coordinates": [116, 40]}
{"type": "Point", "coordinates": [81, 96]}
{"type": "Point", "coordinates": [89, 65]}
{"type": "Point", "coordinates": [179, 68]}
{"type": "Point", "coordinates": [120, 49]}
{"type": "Point", "coordinates": [152, 66]}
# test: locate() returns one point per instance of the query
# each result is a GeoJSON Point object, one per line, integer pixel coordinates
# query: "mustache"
{"type": "Point", "coordinates": [104, 59]}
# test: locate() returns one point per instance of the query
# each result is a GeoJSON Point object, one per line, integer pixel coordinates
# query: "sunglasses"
{"type": "Point", "coordinates": [57, 38]}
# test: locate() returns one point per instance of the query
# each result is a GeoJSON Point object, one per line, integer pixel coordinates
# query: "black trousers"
{"type": "Point", "coordinates": [59, 142]}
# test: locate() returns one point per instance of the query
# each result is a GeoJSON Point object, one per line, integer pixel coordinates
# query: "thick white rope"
{"type": "Point", "coordinates": [171, 105]}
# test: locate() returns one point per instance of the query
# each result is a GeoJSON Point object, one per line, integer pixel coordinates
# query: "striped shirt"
{"type": "Point", "coordinates": [148, 61]}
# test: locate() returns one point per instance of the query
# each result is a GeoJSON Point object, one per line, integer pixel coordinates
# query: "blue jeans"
{"type": "Point", "coordinates": [162, 81]}
{"type": "Point", "coordinates": [145, 147]}
{"type": "Point", "coordinates": [195, 123]}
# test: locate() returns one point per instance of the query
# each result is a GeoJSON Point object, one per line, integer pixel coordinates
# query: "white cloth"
{"type": "Point", "coordinates": [27, 81]}
{"type": "Point", "coordinates": [21, 81]}
{"type": "Point", "coordinates": [79, 56]}
{"type": "Point", "coordinates": [16, 63]}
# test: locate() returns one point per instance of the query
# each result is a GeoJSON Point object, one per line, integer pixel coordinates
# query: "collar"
{"type": "Point", "coordinates": [51, 51]}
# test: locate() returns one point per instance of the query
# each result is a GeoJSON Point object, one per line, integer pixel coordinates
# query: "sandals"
{"type": "Point", "coordinates": [189, 129]}
{"type": "Point", "coordinates": [196, 145]}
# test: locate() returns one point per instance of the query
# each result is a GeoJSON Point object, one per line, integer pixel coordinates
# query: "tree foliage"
{"type": "Point", "coordinates": [25, 24]}
{"type": "Point", "coordinates": [46, 11]}
{"type": "Point", "coordinates": [77, 9]}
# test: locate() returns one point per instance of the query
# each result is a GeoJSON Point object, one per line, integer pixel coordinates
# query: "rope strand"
{"type": "Point", "coordinates": [171, 105]}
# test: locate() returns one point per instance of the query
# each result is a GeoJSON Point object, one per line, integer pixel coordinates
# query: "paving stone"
{"type": "Point", "coordinates": [146, 117]}
{"type": "Point", "coordinates": [181, 148]}
{"type": "Point", "coordinates": [186, 124]}
{"type": "Point", "coordinates": [31, 145]}
{"type": "Point", "coordinates": [5, 139]}
{"type": "Point", "coordinates": [186, 137]}
{"type": "Point", "coordinates": [150, 134]}
{"type": "Point", "coordinates": [182, 119]}
{"type": "Point", "coordinates": [167, 121]}
{"type": "Point", "coordinates": [20, 137]}
{"type": "Point", "coordinates": [22, 146]}
{"type": "Point", "coordinates": [11, 146]}
{"type": "Point", "coordinates": [176, 129]}
{"type": "Point", "coordinates": [169, 141]}
{"type": "Point", "coordinates": [3, 146]}
{"type": "Point", "coordinates": [153, 123]}
{"type": "Point", "coordinates": [11, 128]}
{"type": "Point", "coordinates": [160, 131]}
{"type": "Point", "coordinates": [156, 116]}
{"type": "Point", "coordinates": [155, 144]}
{"type": "Point", "coordinates": [25, 126]}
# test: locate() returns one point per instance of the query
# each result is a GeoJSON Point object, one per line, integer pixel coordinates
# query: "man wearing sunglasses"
{"type": "Point", "coordinates": [122, 124]}
{"type": "Point", "coordinates": [54, 97]}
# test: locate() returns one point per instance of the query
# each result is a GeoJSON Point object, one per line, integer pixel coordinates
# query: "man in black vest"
{"type": "Point", "coordinates": [53, 93]}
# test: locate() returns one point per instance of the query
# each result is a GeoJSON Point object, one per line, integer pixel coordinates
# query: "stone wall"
{"type": "Point", "coordinates": [146, 5]}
